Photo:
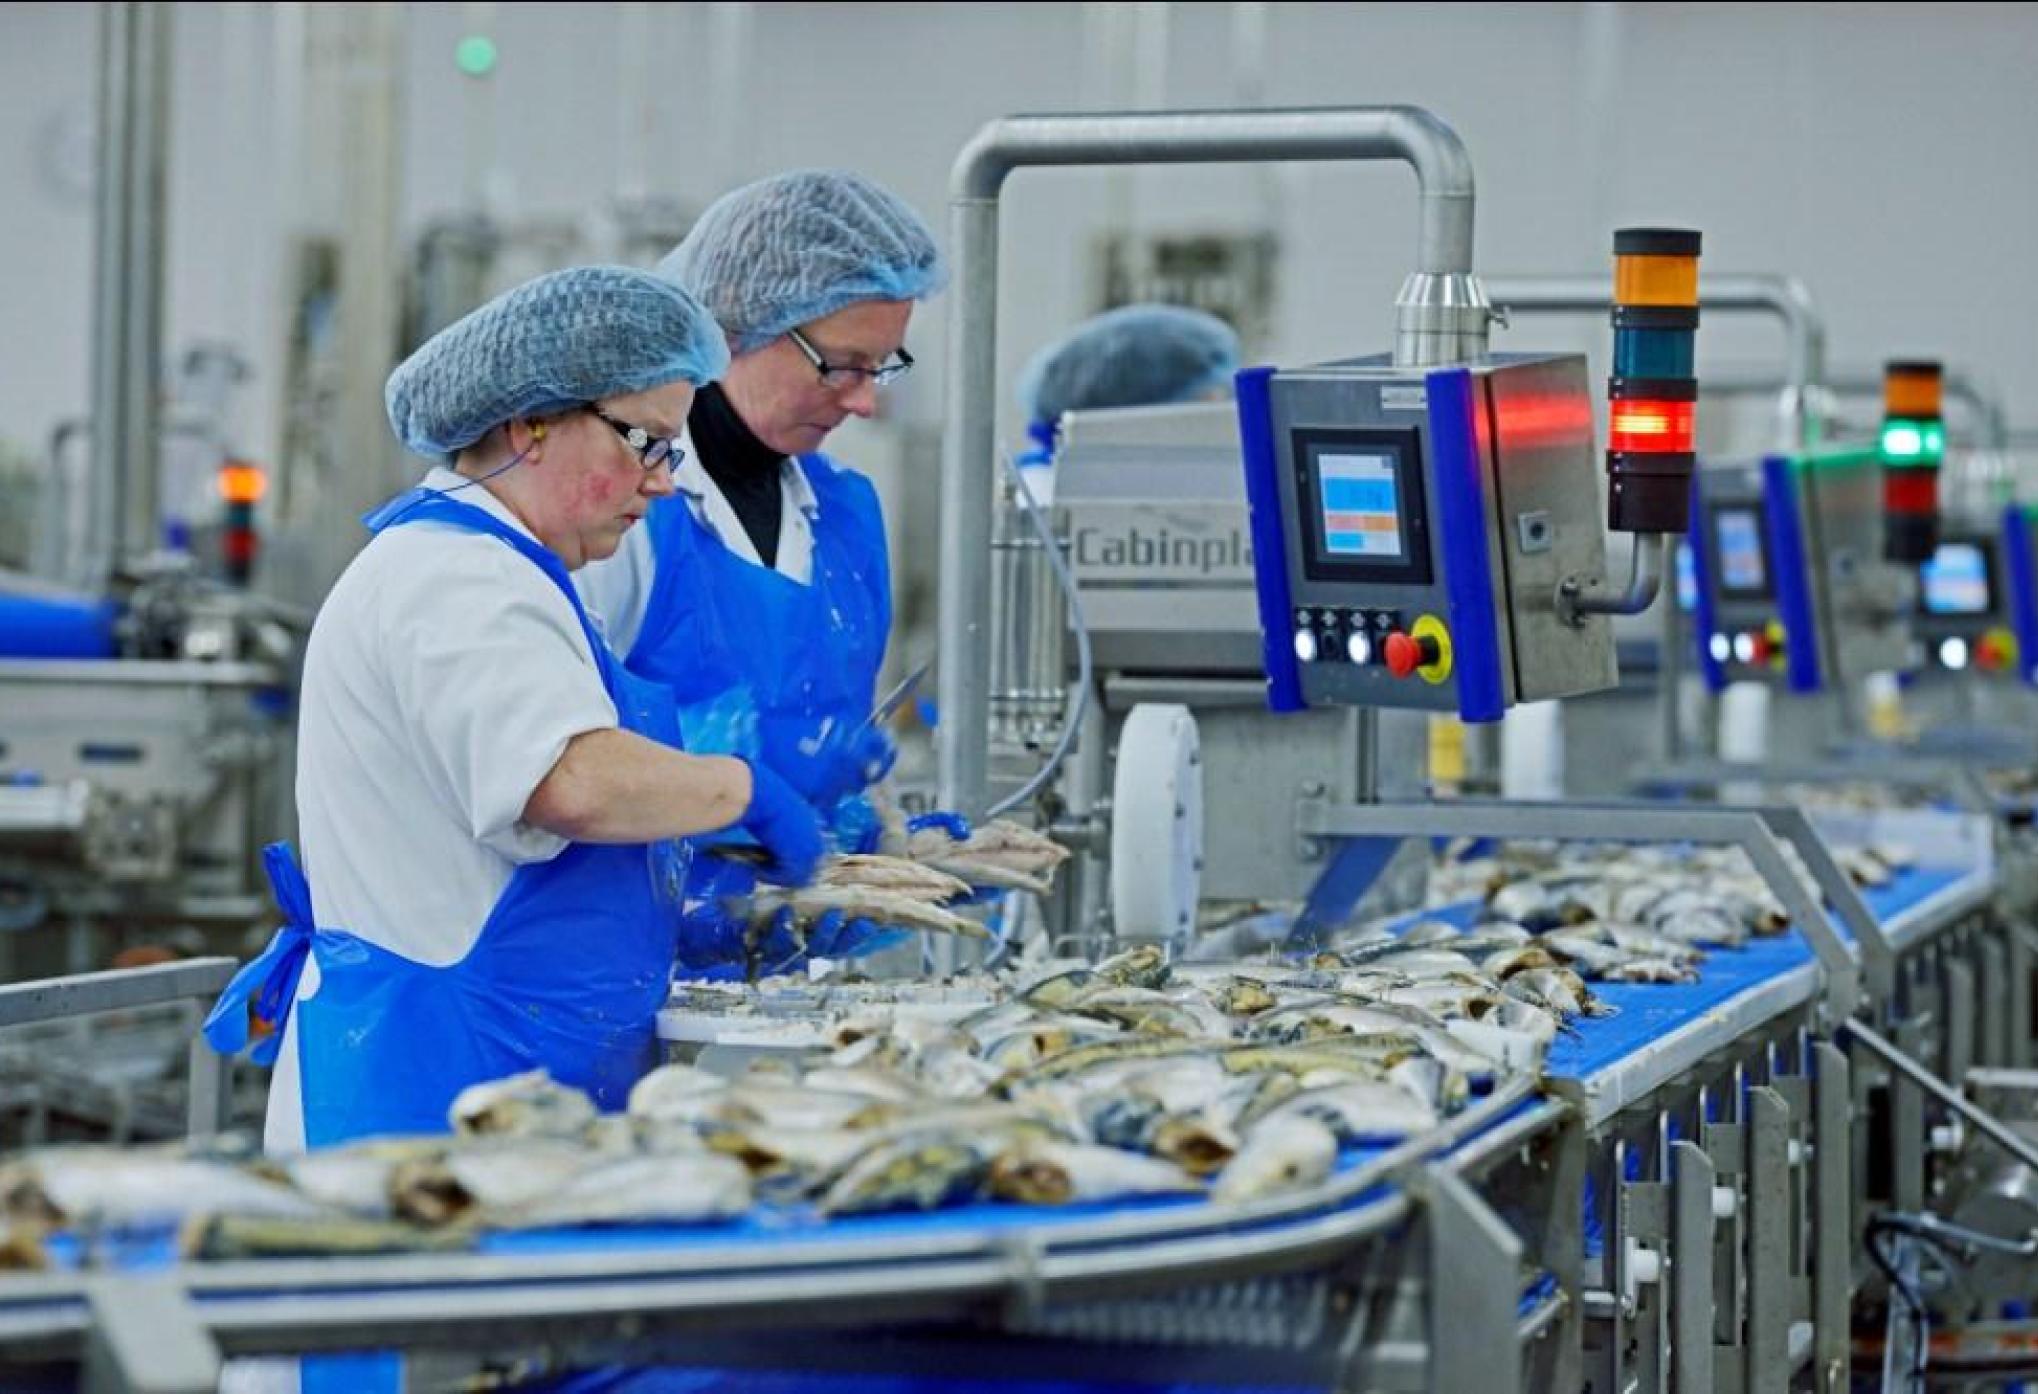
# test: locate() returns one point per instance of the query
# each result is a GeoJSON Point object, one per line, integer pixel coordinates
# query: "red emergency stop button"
{"type": "Point", "coordinates": [1995, 651]}
{"type": "Point", "coordinates": [1408, 652]}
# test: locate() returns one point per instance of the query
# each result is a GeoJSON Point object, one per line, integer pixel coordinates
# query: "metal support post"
{"type": "Point", "coordinates": [1905, 1064]}
{"type": "Point", "coordinates": [1726, 1144]}
{"type": "Point", "coordinates": [1769, 1304]}
{"type": "Point", "coordinates": [1475, 1289]}
{"type": "Point", "coordinates": [1960, 1020]}
{"type": "Point", "coordinates": [1907, 1125]}
{"type": "Point", "coordinates": [1832, 1230]}
{"type": "Point", "coordinates": [146, 1338]}
{"type": "Point", "coordinates": [2022, 958]}
{"type": "Point", "coordinates": [1691, 1271]}
{"type": "Point", "coordinates": [1643, 1237]}
{"type": "Point", "coordinates": [1994, 960]}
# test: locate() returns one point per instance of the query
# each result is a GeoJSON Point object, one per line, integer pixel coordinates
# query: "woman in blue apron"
{"type": "Point", "coordinates": [766, 586]}
{"type": "Point", "coordinates": [448, 665]}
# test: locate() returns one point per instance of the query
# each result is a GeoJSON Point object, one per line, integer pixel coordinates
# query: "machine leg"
{"type": "Point", "coordinates": [2020, 996]}
{"type": "Point", "coordinates": [1769, 1299]}
{"type": "Point", "coordinates": [1691, 1271]}
{"type": "Point", "coordinates": [1726, 1144]}
{"type": "Point", "coordinates": [1995, 1045]}
{"type": "Point", "coordinates": [1907, 1127]}
{"type": "Point", "coordinates": [1475, 1272]}
{"type": "Point", "coordinates": [1960, 1020]}
{"type": "Point", "coordinates": [146, 1339]}
{"type": "Point", "coordinates": [1833, 1231]}
{"type": "Point", "coordinates": [211, 1090]}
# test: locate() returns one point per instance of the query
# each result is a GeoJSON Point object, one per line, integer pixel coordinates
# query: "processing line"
{"type": "Point", "coordinates": [1679, 1199]}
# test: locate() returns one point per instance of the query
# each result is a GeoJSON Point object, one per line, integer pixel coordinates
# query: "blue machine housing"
{"type": "Point", "coordinates": [1433, 512]}
{"type": "Point", "coordinates": [2022, 583]}
{"type": "Point", "coordinates": [1784, 512]}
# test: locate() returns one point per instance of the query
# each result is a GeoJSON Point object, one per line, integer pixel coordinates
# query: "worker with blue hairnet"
{"type": "Point", "coordinates": [762, 594]}
{"type": "Point", "coordinates": [491, 806]}
{"type": "Point", "coordinates": [1133, 356]}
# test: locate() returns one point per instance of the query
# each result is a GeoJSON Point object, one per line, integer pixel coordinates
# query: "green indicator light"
{"type": "Point", "coordinates": [1913, 442]}
{"type": "Point", "coordinates": [475, 55]}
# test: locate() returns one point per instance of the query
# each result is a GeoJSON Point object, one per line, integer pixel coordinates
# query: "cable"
{"type": "Point", "coordinates": [1081, 707]}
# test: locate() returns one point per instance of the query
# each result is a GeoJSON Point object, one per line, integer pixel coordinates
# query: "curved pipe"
{"type": "Point", "coordinates": [1989, 418]}
{"type": "Point", "coordinates": [1784, 297]}
{"type": "Point", "coordinates": [1443, 265]}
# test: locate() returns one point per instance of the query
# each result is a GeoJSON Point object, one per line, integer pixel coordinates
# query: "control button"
{"type": "Point", "coordinates": [1996, 651]}
{"type": "Point", "coordinates": [1744, 648]}
{"type": "Point", "coordinates": [1305, 645]}
{"type": "Point", "coordinates": [1434, 641]}
{"type": "Point", "coordinates": [1953, 653]}
{"type": "Point", "coordinates": [1408, 652]}
{"type": "Point", "coordinates": [1721, 648]}
{"type": "Point", "coordinates": [1359, 647]}
{"type": "Point", "coordinates": [1760, 649]}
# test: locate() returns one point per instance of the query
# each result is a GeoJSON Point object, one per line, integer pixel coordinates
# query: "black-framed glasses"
{"type": "Point", "coordinates": [843, 376]}
{"type": "Point", "coordinates": [652, 450]}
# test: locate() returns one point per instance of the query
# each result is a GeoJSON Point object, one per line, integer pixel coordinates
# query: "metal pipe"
{"type": "Point", "coordinates": [1989, 417]}
{"type": "Point", "coordinates": [1785, 297]}
{"type": "Point", "coordinates": [128, 282]}
{"type": "Point", "coordinates": [2019, 1148]}
{"type": "Point", "coordinates": [1441, 316]}
{"type": "Point", "coordinates": [1645, 575]}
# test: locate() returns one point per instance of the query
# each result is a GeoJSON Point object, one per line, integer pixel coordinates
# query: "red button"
{"type": "Point", "coordinates": [1406, 653]}
{"type": "Point", "coordinates": [1760, 651]}
{"type": "Point", "coordinates": [1989, 653]}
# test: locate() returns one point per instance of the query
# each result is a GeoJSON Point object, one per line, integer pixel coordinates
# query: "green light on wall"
{"type": "Point", "coordinates": [475, 55]}
{"type": "Point", "coordinates": [1908, 442]}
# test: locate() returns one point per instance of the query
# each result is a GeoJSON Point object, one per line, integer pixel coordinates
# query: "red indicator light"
{"type": "Point", "coordinates": [1652, 428]}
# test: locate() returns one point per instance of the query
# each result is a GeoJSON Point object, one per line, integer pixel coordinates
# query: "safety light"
{"type": "Point", "coordinates": [1653, 393]}
{"type": "Point", "coordinates": [1913, 444]}
{"type": "Point", "coordinates": [241, 486]}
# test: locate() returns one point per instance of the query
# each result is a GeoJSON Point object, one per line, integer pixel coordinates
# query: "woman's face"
{"type": "Point", "coordinates": [779, 393]}
{"type": "Point", "coordinates": [589, 485]}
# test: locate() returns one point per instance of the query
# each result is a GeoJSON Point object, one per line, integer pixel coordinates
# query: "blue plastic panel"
{"type": "Point", "coordinates": [1270, 553]}
{"type": "Point", "coordinates": [1704, 615]}
{"type": "Point", "coordinates": [1793, 579]}
{"type": "Point", "coordinates": [1462, 547]}
{"type": "Point", "coordinates": [2021, 579]}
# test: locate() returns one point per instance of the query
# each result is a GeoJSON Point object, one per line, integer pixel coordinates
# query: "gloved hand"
{"type": "Point", "coordinates": [954, 824]}
{"type": "Point", "coordinates": [835, 935]}
{"type": "Point", "coordinates": [785, 825]}
{"type": "Point", "coordinates": [846, 759]}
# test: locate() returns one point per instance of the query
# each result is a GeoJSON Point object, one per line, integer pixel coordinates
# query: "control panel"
{"type": "Point", "coordinates": [1735, 546]}
{"type": "Point", "coordinates": [1793, 584]}
{"type": "Point", "coordinates": [1411, 529]}
{"type": "Point", "coordinates": [1963, 622]}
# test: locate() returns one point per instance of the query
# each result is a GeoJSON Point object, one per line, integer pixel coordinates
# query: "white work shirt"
{"type": "Point", "coordinates": [443, 679]}
{"type": "Point", "coordinates": [617, 591]}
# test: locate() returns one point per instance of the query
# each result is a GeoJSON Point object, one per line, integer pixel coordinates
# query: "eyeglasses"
{"type": "Point", "coordinates": [843, 376]}
{"type": "Point", "coordinates": [652, 451]}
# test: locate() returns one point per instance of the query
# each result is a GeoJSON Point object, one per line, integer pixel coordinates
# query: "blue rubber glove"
{"type": "Point", "coordinates": [954, 824]}
{"type": "Point", "coordinates": [785, 825]}
{"type": "Point", "coordinates": [835, 935]}
{"type": "Point", "coordinates": [846, 759]}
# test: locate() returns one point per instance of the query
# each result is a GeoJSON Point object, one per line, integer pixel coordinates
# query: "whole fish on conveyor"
{"type": "Point", "coordinates": [1282, 1154]}
{"type": "Point", "coordinates": [531, 1104]}
{"type": "Point", "coordinates": [1057, 1173]}
{"type": "Point", "coordinates": [85, 1187]}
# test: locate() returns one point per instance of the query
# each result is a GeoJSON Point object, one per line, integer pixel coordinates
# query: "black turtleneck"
{"type": "Point", "coordinates": [742, 466]}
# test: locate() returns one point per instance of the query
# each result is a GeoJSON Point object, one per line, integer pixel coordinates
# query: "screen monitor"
{"type": "Point", "coordinates": [1743, 557]}
{"type": "Point", "coordinates": [1955, 580]}
{"type": "Point", "coordinates": [1362, 498]}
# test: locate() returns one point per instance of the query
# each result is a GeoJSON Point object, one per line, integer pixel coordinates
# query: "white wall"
{"type": "Point", "coordinates": [1883, 153]}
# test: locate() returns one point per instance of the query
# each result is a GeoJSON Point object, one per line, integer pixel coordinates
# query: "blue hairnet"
{"type": "Point", "coordinates": [1133, 356]}
{"type": "Point", "coordinates": [797, 247]}
{"type": "Point", "coordinates": [549, 345]}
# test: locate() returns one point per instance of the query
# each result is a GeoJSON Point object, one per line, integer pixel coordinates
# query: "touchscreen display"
{"type": "Point", "coordinates": [1742, 570]}
{"type": "Point", "coordinates": [1360, 496]}
{"type": "Point", "coordinates": [1955, 580]}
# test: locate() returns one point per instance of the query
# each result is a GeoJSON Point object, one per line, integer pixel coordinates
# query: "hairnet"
{"type": "Point", "coordinates": [1133, 356]}
{"type": "Point", "coordinates": [797, 247]}
{"type": "Point", "coordinates": [550, 344]}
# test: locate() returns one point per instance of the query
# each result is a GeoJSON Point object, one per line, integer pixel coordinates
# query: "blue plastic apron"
{"type": "Point", "coordinates": [567, 974]}
{"type": "Point", "coordinates": [808, 654]}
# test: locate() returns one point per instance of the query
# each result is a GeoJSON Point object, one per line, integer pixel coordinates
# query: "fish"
{"type": "Point", "coordinates": [899, 911]}
{"type": "Point", "coordinates": [84, 1187]}
{"type": "Point", "coordinates": [892, 875]}
{"type": "Point", "coordinates": [500, 1173]}
{"type": "Point", "coordinates": [1058, 1173]}
{"type": "Point", "coordinates": [531, 1104]}
{"type": "Point", "coordinates": [647, 1190]}
{"type": "Point", "coordinates": [218, 1238]}
{"type": "Point", "coordinates": [1000, 842]}
{"type": "Point", "coordinates": [922, 1171]}
{"type": "Point", "coordinates": [1283, 1154]}
{"type": "Point", "coordinates": [1355, 1111]}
